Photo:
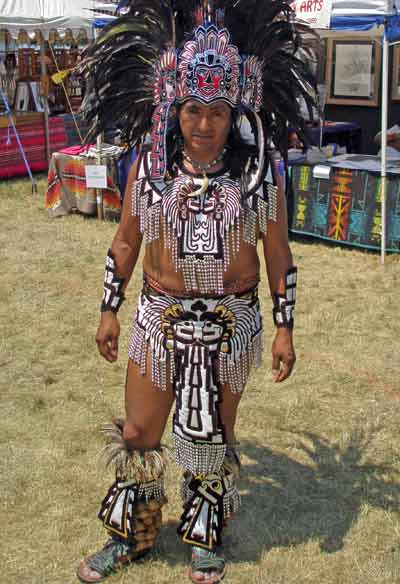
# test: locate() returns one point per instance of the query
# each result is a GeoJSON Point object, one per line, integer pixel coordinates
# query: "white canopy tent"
{"type": "Point", "coordinates": [45, 15]}
{"type": "Point", "coordinates": [48, 14]}
{"type": "Point", "coordinates": [354, 8]}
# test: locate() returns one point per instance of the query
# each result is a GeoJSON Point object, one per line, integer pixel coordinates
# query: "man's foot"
{"type": "Point", "coordinates": [116, 554]}
{"type": "Point", "coordinates": [206, 567]}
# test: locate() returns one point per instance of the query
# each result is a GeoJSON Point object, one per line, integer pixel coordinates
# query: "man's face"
{"type": "Point", "coordinates": [205, 128]}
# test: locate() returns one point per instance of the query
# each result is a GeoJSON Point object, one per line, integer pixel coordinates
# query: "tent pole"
{"type": "Point", "coordinates": [99, 192]}
{"type": "Point", "coordinates": [384, 127]}
{"type": "Point", "coordinates": [43, 71]}
{"type": "Point", "coordinates": [21, 148]}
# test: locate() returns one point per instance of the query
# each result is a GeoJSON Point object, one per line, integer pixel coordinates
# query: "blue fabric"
{"type": "Point", "coordinates": [124, 165]}
{"type": "Point", "coordinates": [393, 29]}
{"type": "Point", "coordinates": [102, 22]}
{"type": "Point", "coordinates": [356, 22]}
{"type": "Point", "coordinates": [368, 22]}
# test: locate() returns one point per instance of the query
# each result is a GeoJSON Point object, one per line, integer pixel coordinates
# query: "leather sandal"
{"type": "Point", "coordinates": [206, 567]}
{"type": "Point", "coordinates": [115, 555]}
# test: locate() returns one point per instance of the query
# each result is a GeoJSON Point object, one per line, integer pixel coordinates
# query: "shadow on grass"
{"type": "Point", "coordinates": [286, 503]}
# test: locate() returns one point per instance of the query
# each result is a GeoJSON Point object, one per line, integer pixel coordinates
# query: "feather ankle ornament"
{"type": "Point", "coordinates": [132, 506]}
{"type": "Point", "coordinates": [138, 465]}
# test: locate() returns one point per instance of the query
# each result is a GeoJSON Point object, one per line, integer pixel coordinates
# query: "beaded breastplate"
{"type": "Point", "coordinates": [202, 231]}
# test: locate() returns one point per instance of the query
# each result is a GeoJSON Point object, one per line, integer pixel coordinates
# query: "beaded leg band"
{"type": "Point", "coordinates": [132, 506]}
{"type": "Point", "coordinates": [284, 304]}
{"type": "Point", "coordinates": [209, 501]}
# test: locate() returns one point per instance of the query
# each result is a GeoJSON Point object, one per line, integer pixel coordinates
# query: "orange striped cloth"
{"type": "Point", "coordinates": [67, 191]}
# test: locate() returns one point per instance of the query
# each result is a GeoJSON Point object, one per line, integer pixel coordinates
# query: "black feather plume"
{"type": "Point", "coordinates": [119, 65]}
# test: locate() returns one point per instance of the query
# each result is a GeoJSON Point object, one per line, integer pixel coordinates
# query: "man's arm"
{"type": "Point", "coordinates": [125, 250]}
{"type": "Point", "coordinates": [279, 261]}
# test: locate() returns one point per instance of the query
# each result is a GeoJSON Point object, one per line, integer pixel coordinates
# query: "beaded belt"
{"type": "Point", "coordinates": [150, 285]}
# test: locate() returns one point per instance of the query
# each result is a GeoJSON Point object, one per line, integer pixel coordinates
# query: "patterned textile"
{"type": "Point", "coordinates": [346, 208]}
{"type": "Point", "coordinates": [67, 188]}
{"type": "Point", "coordinates": [32, 136]}
{"type": "Point", "coordinates": [132, 507]}
{"type": "Point", "coordinates": [202, 229]}
{"type": "Point", "coordinates": [228, 330]}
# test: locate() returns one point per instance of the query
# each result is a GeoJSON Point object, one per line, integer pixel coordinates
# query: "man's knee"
{"type": "Point", "coordinates": [137, 436]}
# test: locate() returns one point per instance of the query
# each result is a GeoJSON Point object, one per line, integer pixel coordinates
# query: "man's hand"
{"type": "Point", "coordinates": [283, 355]}
{"type": "Point", "coordinates": [107, 336]}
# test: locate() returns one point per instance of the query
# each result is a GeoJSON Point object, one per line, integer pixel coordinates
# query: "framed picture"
{"type": "Point", "coordinates": [353, 71]}
{"type": "Point", "coordinates": [396, 74]}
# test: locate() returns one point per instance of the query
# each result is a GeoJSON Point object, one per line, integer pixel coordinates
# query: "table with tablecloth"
{"type": "Point", "coordinates": [67, 190]}
{"type": "Point", "coordinates": [348, 134]}
{"type": "Point", "coordinates": [346, 208]}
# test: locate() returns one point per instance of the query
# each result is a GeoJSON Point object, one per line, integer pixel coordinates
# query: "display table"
{"type": "Point", "coordinates": [346, 208]}
{"type": "Point", "coordinates": [67, 191]}
{"type": "Point", "coordinates": [30, 127]}
{"type": "Point", "coordinates": [346, 134]}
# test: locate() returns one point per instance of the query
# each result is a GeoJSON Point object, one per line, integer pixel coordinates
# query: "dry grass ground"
{"type": "Point", "coordinates": [321, 484]}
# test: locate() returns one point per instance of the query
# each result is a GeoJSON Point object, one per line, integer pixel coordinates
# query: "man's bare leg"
{"type": "Point", "coordinates": [147, 409]}
{"type": "Point", "coordinates": [228, 410]}
{"type": "Point", "coordinates": [138, 446]}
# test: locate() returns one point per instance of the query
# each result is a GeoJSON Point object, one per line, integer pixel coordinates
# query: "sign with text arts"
{"type": "Point", "coordinates": [316, 13]}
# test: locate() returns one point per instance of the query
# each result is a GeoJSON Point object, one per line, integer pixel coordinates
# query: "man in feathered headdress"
{"type": "Point", "coordinates": [213, 85]}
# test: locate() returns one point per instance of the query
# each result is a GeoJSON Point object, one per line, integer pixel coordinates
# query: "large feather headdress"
{"type": "Point", "coordinates": [162, 52]}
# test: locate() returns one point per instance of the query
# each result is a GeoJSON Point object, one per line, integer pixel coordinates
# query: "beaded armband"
{"type": "Point", "coordinates": [113, 296]}
{"type": "Point", "coordinates": [284, 304]}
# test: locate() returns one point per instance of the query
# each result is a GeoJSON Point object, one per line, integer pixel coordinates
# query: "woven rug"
{"type": "Point", "coordinates": [32, 137]}
{"type": "Point", "coordinates": [346, 208]}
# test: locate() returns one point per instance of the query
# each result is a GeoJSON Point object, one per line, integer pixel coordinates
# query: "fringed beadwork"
{"type": "Point", "coordinates": [155, 326]}
{"type": "Point", "coordinates": [230, 470]}
{"type": "Point", "coordinates": [198, 458]}
{"type": "Point", "coordinates": [202, 231]}
{"type": "Point", "coordinates": [210, 499]}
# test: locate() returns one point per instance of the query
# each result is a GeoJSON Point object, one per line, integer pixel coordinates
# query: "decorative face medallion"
{"type": "Point", "coordinates": [209, 67]}
{"type": "Point", "coordinates": [252, 83]}
{"type": "Point", "coordinates": [209, 81]}
{"type": "Point", "coordinates": [165, 78]}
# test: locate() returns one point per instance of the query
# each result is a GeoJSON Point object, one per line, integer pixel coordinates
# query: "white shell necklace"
{"type": "Point", "coordinates": [203, 168]}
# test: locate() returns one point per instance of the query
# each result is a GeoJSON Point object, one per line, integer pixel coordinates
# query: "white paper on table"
{"type": "Point", "coordinates": [322, 172]}
{"type": "Point", "coordinates": [96, 176]}
{"type": "Point", "coordinates": [353, 70]}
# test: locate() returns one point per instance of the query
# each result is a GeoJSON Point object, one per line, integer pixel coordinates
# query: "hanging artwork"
{"type": "Point", "coordinates": [396, 74]}
{"type": "Point", "coordinates": [353, 70]}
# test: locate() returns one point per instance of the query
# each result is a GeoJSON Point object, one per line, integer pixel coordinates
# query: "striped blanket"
{"type": "Point", "coordinates": [32, 137]}
{"type": "Point", "coordinates": [67, 189]}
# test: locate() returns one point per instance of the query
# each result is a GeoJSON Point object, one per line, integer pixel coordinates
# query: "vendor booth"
{"type": "Point", "coordinates": [38, 39]}
{"type": "Point", "coordinates": [367, 201]}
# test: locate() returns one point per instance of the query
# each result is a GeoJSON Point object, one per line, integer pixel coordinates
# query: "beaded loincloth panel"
{"type": "Point", "coordinates": [158, 318]}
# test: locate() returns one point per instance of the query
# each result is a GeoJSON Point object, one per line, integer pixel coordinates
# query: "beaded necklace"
{"type": "Point", "coordinates": [203, 168]}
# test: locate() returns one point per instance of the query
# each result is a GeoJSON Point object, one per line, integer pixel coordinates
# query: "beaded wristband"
{"type": "Point", "coordinates": [284, 304]}
{"type": "Point", "coordinates": [113, 296]}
